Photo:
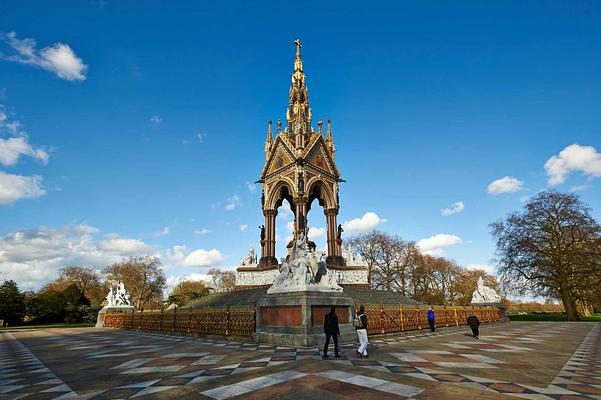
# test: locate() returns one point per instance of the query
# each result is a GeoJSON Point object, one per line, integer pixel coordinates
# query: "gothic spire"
{"type": "Point", "coordinates": [269, 139]}
{"type": "Point", "coordinates": [299, 113]}
{"type": "Point", "coordinates": [330, 138]}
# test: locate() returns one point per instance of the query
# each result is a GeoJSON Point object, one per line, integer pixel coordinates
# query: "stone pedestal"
{"type": "Point", "coordinates": [296, 318]}
{"type": "Point", "coordinates": [500, 306]}
{"type": "Point", "coordinates": [111, 310]}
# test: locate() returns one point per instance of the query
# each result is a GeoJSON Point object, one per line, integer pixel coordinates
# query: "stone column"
{"type": "Point", "coordinates": [268, 257]}
{"type": "Point", "coordinates": [300, 206]}
{"type": "Point", "coordinates": [334, 242]}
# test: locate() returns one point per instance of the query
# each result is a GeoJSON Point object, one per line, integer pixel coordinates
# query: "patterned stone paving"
{"type": "Point", "coordinates": [516, 360]}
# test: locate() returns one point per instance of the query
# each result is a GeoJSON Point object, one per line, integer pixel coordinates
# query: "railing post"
{"type": "Point", "coordinates": [227, 320]}
{"type": "Point", "coordinates": [419, 317]}
{"type": "Point", "coordinates": [455, 316]}
{"type": "Point", "coordinates": [131, 321]}
{"type": "Point", "coordinates": [174, 319]}
{"type": "Point", "coordinates": [189, 320]}
{"type": "Point", "coordinates": [402, 318]}
{"type": "Point", "coordinates": [254, 319]}
{"type": "Point", "coordinates": [161, 322]}
{"type": "Point", "coordinates": [141, 319]}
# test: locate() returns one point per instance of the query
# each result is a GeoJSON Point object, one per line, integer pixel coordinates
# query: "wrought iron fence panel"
{"type": "Point", "coordinates": [242, 321]}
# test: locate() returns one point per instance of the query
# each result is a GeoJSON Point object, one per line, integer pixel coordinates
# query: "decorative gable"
{"type": "Point", "coordinates": [280, 157]}
{"type": "Point", "coordinates": [318, 157]}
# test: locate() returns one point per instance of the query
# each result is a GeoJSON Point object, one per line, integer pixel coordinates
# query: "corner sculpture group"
{"type": "Point", "coordinates": [304, 270]}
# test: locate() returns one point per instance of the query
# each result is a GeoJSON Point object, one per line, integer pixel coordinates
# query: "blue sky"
{"type": "Point", "coordinates": [137, 130]}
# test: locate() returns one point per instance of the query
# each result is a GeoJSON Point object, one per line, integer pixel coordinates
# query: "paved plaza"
{"type": "Point", "coordinates": [515, 360]}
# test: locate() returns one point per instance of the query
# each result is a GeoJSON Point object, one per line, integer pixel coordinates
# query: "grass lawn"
{"type": "Point", "coordinates": [594, 318]}
{"type": "Point", "coordinates": [550, 317]}
{"type": "Point", "coordinates": [49, 326]}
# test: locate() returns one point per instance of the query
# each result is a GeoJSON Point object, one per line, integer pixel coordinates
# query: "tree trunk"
{"type": "Point", "coordinates": [568, 304]}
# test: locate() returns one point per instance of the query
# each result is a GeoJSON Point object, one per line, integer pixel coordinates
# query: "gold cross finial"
{"type": "Point", "coordinates": [298, 44]}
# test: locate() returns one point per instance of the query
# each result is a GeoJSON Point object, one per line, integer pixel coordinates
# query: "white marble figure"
{"type": "Point", "coordinates": [304, 270]}
{"type": "Point", "coordinates": [351, 257]}
{"type": "Point", "coordinates": [250, 259]}
{"type": "Point", "coordinates": [118, 297]}
{"type": "Point", "coordinates": [484, 294]}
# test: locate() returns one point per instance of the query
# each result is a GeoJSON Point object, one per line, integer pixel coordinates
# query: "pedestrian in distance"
{"type": "Point", "coordinates": [431, 319]}
{"type": "Point", "coordinates": [474, 323]}
{"type": "Point", "coordinates": [331, 329]}
{"type": "Point", "coordinates": [360, 322]}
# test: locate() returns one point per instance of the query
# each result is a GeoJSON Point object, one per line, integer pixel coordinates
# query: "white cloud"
{"type": "Point", "coordinates": [243, 227]}
{"type": "Point", "coordinates": [456, 208]}
{"type": "Point", "coordinates": [284, 212]}
{"type": "Point", "coordinates": [17, 144]}
{"type": "Point", "coordinates": [12, 148]}
{"type": "Point", "coordinates": [252, 187]}
{"type": "Point", "coordinates": [203, 231]}
{"type": "Point", "coordinates": [180, 255]}
{"type": "Point", "coordinates": [202, 258]}
{"type": "Point", "coordinates": [15, 187]}
{"type": "Point", "coordinates": [58, 58]}
{"type": "Point", "coordinates": [123, 246]}
{"type": "Point", "coordinates": [366, 223]}
{"type": "Point", "coordinates": [232, 203]}
{"type": "Point", "coordinates": [524, 198]}
{"type": "Point", "coordinates": [32, 257]}
{"type": "Point", "coordinates": [507, 184]}
{"type": "Point", "coordinates": [163, 232]}
{"type": "Point", "coordinates": [573, 158]}
{"type": "Point", "coordinates": [201, 137]}
{"type": "Point", "coordinates": [435, 245]}
{"type": "Point", "coordinates": [488, 268]}
{"type": "Point", "coordinates": [155, 120]}
{"type": "Point", "coordinates": [290, 226]}
{"type": "Point", "coordinates": [315, 232]}
{"type": "Point", "coordinates": [579, 188]}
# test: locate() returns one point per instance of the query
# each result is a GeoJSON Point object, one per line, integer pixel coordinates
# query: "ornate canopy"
{"type": "Point", "coordinates": [300, 167]}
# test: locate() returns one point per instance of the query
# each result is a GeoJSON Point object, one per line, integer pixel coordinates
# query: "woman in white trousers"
{"type": "Point", "coordinates": [361, 327]}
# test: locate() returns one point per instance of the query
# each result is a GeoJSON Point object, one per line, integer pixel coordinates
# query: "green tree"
{"type": "Point", "coordinates": [50, 305]}
{"type": "Point", "coordinates": [186, 291]}
{"type": "Point", "coordinates": [12, 303]}
{"type": "Point", "coordinates": [551, 248]}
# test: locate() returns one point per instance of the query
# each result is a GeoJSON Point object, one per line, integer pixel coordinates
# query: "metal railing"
{"type": "Point", "coordinates": [228, 321]}
{"type": "Point", "coordinates": [241, 321]}
{"type": "Point", "coordinates": [388, 318]}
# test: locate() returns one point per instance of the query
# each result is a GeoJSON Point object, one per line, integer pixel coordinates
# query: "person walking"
{"type": "Point", "coordinates": [360, 323]}
{"type": "Point", "coordinates": [431, 319]}
{"type": "Point", "coordinates": [331, 329]}
{"type": "Point", "coordinates": [474, 323]}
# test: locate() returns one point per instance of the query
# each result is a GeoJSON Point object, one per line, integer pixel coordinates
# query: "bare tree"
{"type": "Point", "coordinates": [86, 280]}
{"type": "Point", "coordinates": [142, 277]}
{"type": "Point", "coordinates": [551, 248]}
{"type": "Point", "coordinates": [222, 280]}
{"type": "Point", "coordinates": [369, 247]}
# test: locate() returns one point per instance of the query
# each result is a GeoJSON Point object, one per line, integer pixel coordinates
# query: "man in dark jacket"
{"type": "Point", "coordinates": [431, 319]}
{"type": "Point", "coordinates": [331, 329]}
{"type": "Point", "coordinates": [474, 323]}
